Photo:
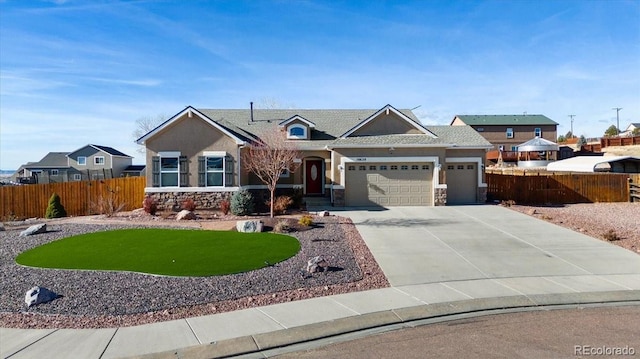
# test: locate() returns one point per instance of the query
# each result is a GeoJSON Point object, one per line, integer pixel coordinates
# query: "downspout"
{"type": "Point", "coordinates": [240, 164]}
{"type": "Point", "coordinates": [332, 178]}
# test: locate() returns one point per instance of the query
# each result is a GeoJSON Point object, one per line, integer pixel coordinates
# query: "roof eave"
{"type": "Point", "coordinates": [189, 110]}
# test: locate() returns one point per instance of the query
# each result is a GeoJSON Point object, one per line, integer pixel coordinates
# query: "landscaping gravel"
{"type": "Point", "coordinates": [94, 299]}
{"type": "Point", "coordinates": [617, 223]}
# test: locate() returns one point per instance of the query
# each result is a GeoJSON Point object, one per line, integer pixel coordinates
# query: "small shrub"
{"type": "Point", "coordinates": [149, 205]}
{"type": "Point", "coordinates": [297, 196]}
{"type": "Point", "coordinates": [281, 227]}
{"type": "Point", "coordinates": [280, 204]}
{"type": "Point", "coordinates": [189, 204]}
{"type": "Point", "coordinates": [242, 203]}
{"type": "Point", "coordinates": [225, 206]}
{"type": "Point", "coordinates": [509, 203]}
{"type": "Point", "coordinates": [55, 209]}
{"type": "Point", "coordinates": [108, 206]}
{"type": "Point", "coordinates": [611, 236]}
{"type": "Point", "coordinates": [306, 220]}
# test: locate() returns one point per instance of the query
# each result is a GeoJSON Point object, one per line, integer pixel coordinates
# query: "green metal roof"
{"type": "Point", "coordinates": [506, 120]}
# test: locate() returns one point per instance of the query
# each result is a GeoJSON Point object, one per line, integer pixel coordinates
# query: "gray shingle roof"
{"type": "Point", "coordinates": [464, 136]}
{"type": "Point", "coordinates": [110, 150]}
{"type": "Point", "coordinates": [506, 120]}
{"type": "Point", "coordinates": [331, 124]}
{"type": "Point", "coordinates": [51, 160]}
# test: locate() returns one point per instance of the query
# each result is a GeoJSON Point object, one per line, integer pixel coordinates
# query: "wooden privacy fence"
{"type": "Point", "coordinates": [78, 198]}
{"type": "Point", "coordinates": [561, 188]}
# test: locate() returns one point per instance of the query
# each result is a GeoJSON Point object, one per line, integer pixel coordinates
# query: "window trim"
{"type": "Point", "coordinates": [54, 172]}
{"type": "Point", "coordinates": [510, 132]}
{"type": "Point", "coordinates": [95, 161]}
{"type": "Point", "coordinates": [84, 162]}
{"type": "Point", "coordinates": [77, 177]}
{"type": "Point", "coordinates": [161, 172]}
{"type": "Point", "coordinates": [297, 137]}
{"type": "Point", "coordinates": [537, 132]}
{"type": "Point", "coordinates": [226, 170]}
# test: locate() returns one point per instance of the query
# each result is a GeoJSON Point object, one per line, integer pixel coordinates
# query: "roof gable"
{"type": "Point", "coordinates": [51, 159]}
{"type": "Point", "coordinates": [504, 120]}
{"type": "Point", "coordinates": [108, 150]}
{"type": "Point", "coordinates": [189, 112]}
{"type": "Point", "coordinates": [385, 111]}
{"type": "Point", "coordinates": [297, 118]}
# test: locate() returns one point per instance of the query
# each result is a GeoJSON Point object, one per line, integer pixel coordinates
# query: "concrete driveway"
{"type": "Point", "coordinates": [417, 245]}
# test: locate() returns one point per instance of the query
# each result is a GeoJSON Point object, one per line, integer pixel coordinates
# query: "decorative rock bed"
{"type": "Point", "coordinates": [93, 299]}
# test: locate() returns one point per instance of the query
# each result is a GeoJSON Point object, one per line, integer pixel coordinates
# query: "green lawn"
{"type": "Point", "coordinates": [173, 252]}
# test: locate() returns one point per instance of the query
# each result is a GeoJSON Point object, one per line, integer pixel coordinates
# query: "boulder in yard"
{"type": "Point", "coordinates": [323, 213]}
{"type": "Point", "coordinates": [37, 295]}
{"type": "Point", "coordinates": [185, 215]}
{"type": "Point", "coordinates": [35, 229]}
{"type": "Point", "coordinates": [316, 264]}
{"type": "Point", "coordinates": [249, 226]}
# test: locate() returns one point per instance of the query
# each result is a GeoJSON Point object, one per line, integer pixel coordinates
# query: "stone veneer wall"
{"type": "Point", "coordinates": [203, 200]}
{"type": "Point", "coordinates": [482, 194]}
{"type": "Point", "coordinates": [338, 197]}
{"type": "Point", "coordinates": [440, 197]}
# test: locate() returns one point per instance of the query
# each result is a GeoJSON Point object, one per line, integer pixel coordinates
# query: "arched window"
{"type": "Point", "coordinates": [297, 131]}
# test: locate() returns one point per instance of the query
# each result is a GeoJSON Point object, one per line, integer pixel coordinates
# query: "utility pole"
{"type": "Point", "coordinates": [617, 119]}
{"type": "Point", "coordinates": [572, 116]}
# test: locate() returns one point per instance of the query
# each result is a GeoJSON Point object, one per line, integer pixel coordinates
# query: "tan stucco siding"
{"type": "Point", "coordinates": [386, 125]}
{"type": "Point", "coordinates": [191, 137]}
{"type": "Point", "coordinates": [458, 122]}
{"type": "Point", "coordinates": [297, 176]}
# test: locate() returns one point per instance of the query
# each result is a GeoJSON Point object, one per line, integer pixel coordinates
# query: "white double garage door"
{"type": "Point", "coordinates": [406, 184]}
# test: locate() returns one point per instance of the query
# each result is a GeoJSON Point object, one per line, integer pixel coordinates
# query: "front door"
{"type": "Point", "coordinates": [313, 176]}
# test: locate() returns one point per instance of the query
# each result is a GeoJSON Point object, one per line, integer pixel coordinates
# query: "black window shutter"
{"type": "Point", "coordinates": [202, 171]}
{"type": "Point", "coordinates": [228, 181]}
{"type": "Point", "coordinates": [155, 171]}
{"type": "Point", "coordinates": [184, 172]}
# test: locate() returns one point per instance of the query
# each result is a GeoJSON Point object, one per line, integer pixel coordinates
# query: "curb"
{"type": "Point", "coordinates": [402, 316]}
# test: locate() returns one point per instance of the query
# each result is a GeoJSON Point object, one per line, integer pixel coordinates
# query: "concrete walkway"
{"type": "Point", "coordinates": [440, 261]}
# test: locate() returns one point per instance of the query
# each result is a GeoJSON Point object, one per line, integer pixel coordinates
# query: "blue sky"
{"type": "Point", "coordinates": [80, 72]}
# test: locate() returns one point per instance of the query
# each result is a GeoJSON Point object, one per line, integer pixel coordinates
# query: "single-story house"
{"type": "Point", "coordinates": [616, 164]}
{"type": "Point", "coordinates": [382, 157]}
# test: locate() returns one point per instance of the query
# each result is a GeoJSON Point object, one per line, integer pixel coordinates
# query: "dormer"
{"type": "Point", "coordinates": [297, 127]}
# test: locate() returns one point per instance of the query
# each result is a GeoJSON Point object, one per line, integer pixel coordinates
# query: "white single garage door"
{"type": "Point", "coordinates": [462, 182]}
{"type": "Point", "coordinates": [389, 184]}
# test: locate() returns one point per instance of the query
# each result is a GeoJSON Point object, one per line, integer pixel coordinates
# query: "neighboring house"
{"type": "Point", "coordinates": [505, 132]}
{"type": "Point", "coordinates": [134, 171]}
{"type": "Point", "coordinates": [86, 163]}
{"type": "Point", "coordinates": [629, 132]}
{"type": "Point", "coordinates": [53, 167]}
{"type": "Point", "coordinates": [349, 157]}
{"type": "Point", "coordinates": [99, 161]}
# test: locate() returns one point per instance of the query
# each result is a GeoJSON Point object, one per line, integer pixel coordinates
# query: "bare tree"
{"type": "Point", "coordinates": [270, 157]}
{"type": "Point", "coordinates": [272, 103]}
{"type": "Point", "coordinates": [146, 124]}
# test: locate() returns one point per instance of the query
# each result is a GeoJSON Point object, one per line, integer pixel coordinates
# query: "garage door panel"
{"type": "Point", "coordinates": [401, 184]}
{"type": "Point", "coordinates": [462, 182]}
